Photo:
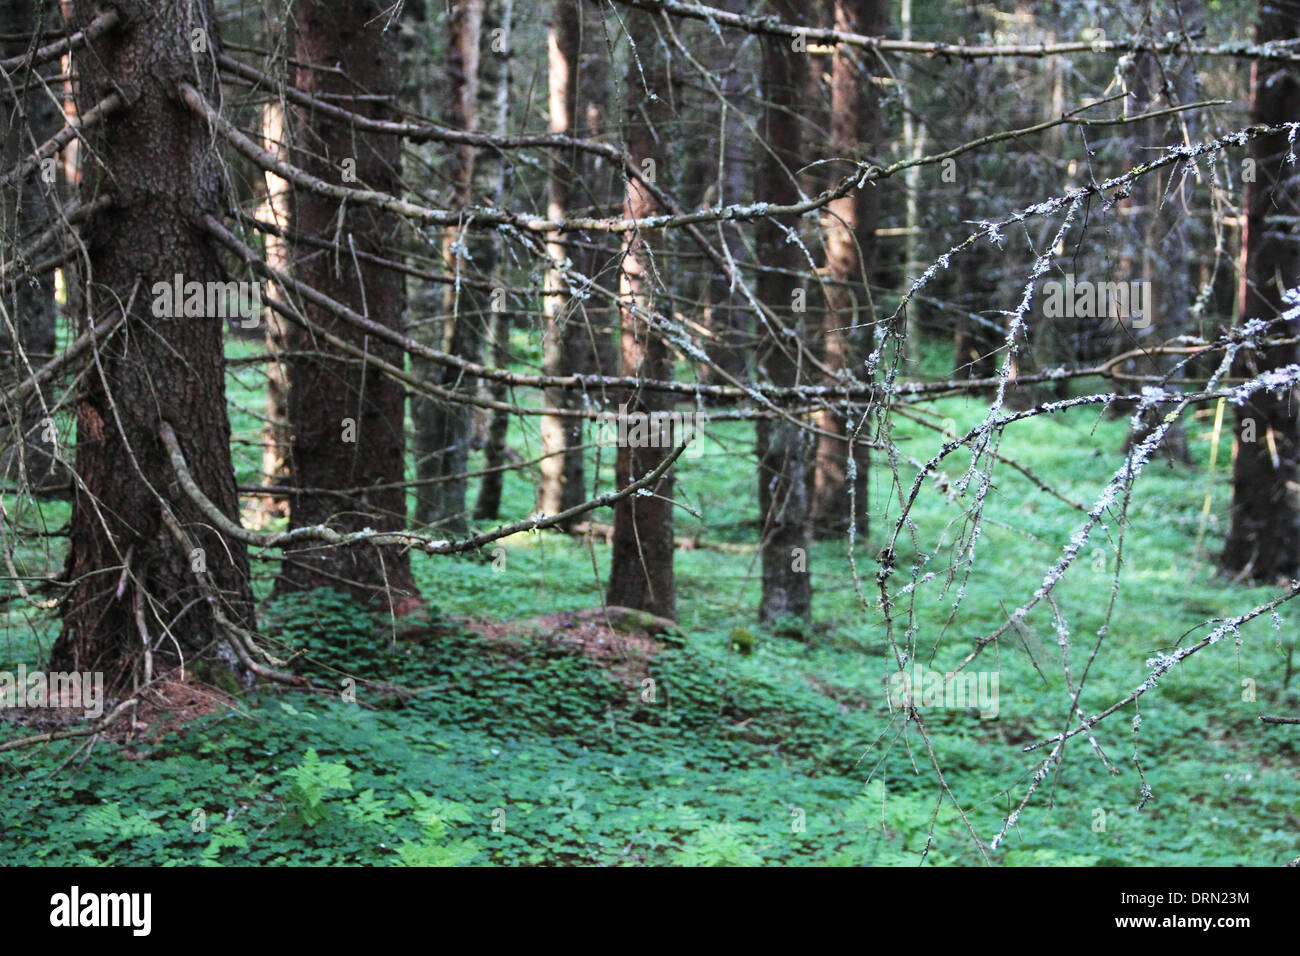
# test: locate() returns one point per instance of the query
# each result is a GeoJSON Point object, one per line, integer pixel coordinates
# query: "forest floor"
{"type": "Point", "coordinates": [510, 727]}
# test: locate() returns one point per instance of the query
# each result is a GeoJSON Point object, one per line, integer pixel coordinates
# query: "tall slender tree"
{"type": "Point", "coordinates": [850, 257]}
{"type": "Point", "coordinates": [572, 336]}
{"type": "Point", "coordinates": [485, 245]}
{"type": "Point", "coordinates": [783, 443]}
{"type": "Point", "coordinates": [346, 420]}
{"type": "Point", "coordinates": [641, 568]}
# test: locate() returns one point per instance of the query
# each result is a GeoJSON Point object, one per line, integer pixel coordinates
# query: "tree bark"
{"type": "Point", "coordinates": [346, 419]}
{"type": "Point", "coordinates": [783, 446]}
{"type": "Point", "coordinates": [572, 338]}
{"type": "Point", "coordinates": [494, 108]}
{"type": "Point", "coordinates": [641, 567]}
{"type": "Point", "coordinates": [159, 164]}
{"type": "Point", "coordinates": [850, 257]}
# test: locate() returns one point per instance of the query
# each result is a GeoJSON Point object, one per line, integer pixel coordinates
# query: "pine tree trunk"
{"type": "Point", "coordinates": [346, 419]}
{"type": "Point", "coordinates": [575, 339]}
{"type": "Point", "coordinates": [641, 567]}
{"type": "Point", "coordinates": [158, 162]}
{"type": "Point", "coordinates": [489, 169]}
{"type": "Point", "coordinates": [783, 446]}
{"type": "Point", "coordinates": [850, 227]}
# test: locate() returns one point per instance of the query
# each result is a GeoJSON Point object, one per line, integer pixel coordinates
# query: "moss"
{"type": "Point", "coordinates": [742, 640]}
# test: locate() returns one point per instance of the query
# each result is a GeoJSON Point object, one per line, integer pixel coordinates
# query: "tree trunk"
{"type": "Point", "coordinates": [489, 172]}
{"type": "Point", "coordinates": [1264, 537]}
{"type": "Point", "coordinates": [159, 164]}
{"type": "Point", "coordinates": [572, 338]}
{"type": "Point", "coordinates": [641, 567]}
{"type": "Point", "coordinates": [275, 209]}
{"type": "Point", "coordinates": [442, 429]}
{"type": "Point", "coordinates": [783, 446]}
{"type": "Point", "coordinates": [346, 418]}
{"type": "Point", "coordinates": [850, 227]}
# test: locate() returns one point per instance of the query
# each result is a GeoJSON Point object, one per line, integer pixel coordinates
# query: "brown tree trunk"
{"type": "Point", "coordinates": [1264, 538]}
{"type": "Point", "coordinates": [641, 566]}
{"type": "Point", "coordinates": [489, 170]}
{"type": "Point", "coordinates": [571, 341]}
{"type": "Point", "coordinates": [850, 257]}
{"type": "Point", "coordinates": [159, 164]}
{"type": "Point", "coordinates": [346, 419]}
{"type": "Point", "coordinates": [783, 446]}
{"type": "Point", "coordinates": [442, 429]}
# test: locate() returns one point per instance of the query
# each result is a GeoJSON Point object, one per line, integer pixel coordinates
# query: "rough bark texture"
{"type": "Point", "coordinates": [641, 567]}
{"type": "Point", "coordinates": [159, 164]}
{"type": "Point", "coordinates": [346, 421]}
{"type": "Point", "coordinates": [489, 175]}
{"type": "Point", "coordinates": [27, 309]}
{"type": "Point", "coordinates": [783, 447]}
{"type": "Point", "coordinates": [1264, 537]}
{"type": "Point", "coordinates": [850, 257]}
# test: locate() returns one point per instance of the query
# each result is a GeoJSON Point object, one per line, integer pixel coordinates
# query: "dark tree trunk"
{"type": "Point", "coordinates": [641, 567]}
{"type": "Point", "coordinates": [1264, 538]}
{"type": "Point", "coordinates": [159, 164]}
{"type": "Point", "coordinates": [850, 257]}
{"type": "Point", "coordinates": [489, 170]}
{"type": "Point", "coordinates": [346, 419]}
{"type": "Point", "coordinates": [783, 445]}
{"type": "Point", "coordinates": [27, 327]}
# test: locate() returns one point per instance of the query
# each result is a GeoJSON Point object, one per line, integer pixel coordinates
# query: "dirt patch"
{"type": "Point", "coordinates": [169, 704]}
{"type": "Point", "coordinates": [622, 641]}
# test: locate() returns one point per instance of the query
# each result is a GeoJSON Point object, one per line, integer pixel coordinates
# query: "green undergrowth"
{"type": "Point", "coordinates": [433, 744]}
